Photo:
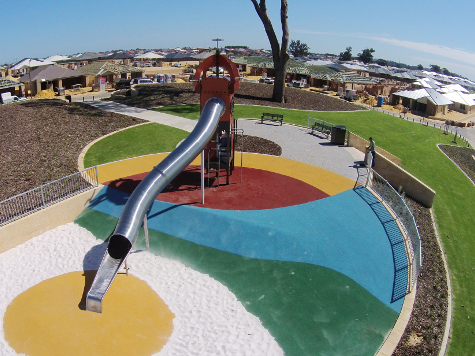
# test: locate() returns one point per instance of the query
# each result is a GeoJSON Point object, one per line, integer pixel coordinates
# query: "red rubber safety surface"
{"type": "Point", "coordinates": [258, 190]}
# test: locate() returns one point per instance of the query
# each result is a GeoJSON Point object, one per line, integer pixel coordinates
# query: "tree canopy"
{"type": "Point", "coordinates": [346, 56]}
{"type": "Point", "coordinates": [435, 68]}
{"type": "Point", "coordinates": [298, 49]}
{"type": "Point", "coordinates": [366, 56]}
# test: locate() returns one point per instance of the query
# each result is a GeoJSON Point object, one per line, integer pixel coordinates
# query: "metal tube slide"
{"type": "Point", "coordinates": [131, 218]}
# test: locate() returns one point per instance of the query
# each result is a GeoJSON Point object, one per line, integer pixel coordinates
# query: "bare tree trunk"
{"type": "Point", "coordinates": [279, 52]}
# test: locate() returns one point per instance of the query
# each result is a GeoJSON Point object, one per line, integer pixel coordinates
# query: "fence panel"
{"type": "Point", "coordinates": [39, 198]}
{"type": "Point", "coordinates": [405, 218]}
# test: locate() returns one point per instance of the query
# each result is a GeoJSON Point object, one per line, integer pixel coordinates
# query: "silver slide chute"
{"type": "Point", "coordinates": [132, 216]}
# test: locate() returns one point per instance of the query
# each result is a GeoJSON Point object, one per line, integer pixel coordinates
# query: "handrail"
{"type": "Point", "coordinates": [396, 203]}
{"type": "Point", "coordinates": [47, 194]}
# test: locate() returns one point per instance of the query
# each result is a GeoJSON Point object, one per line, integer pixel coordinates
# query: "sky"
{"type": "Point", "coordinates": [408, 31]}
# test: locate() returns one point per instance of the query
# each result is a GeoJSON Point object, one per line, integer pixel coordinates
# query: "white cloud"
{"type": "Point", "coordinates": [460, 55]}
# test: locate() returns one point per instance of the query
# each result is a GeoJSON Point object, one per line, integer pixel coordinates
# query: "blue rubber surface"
{"type": "Point", "coordinates": [341, 232]}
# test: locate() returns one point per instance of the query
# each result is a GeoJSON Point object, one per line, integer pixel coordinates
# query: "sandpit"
{"type": "Point", "coordinates": [208, 319]}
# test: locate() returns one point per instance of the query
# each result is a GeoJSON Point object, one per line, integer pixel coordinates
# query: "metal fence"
{"type": "Point", "coordinates": [39, 198]}
{"type": "Point", "coordinates": [404, 217]}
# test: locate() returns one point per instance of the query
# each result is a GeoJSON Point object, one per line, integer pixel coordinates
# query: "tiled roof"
{"type": "Point", "coordinates": [8, 83]}
{"type": "Point", "coordinates": [104, 68]}
{"type": "Point", "coordinates": [50, 72]}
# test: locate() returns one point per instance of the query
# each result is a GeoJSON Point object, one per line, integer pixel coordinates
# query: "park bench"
{"type": "Point", "coordinates": [322, 127]}
{"type": "Point", "coordinates": [272, 117]}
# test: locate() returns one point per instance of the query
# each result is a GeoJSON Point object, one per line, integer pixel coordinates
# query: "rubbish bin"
{"type": "Point", "coordinates": [68, 98]}
{"type": "Point", "coordinates": [338, 135]}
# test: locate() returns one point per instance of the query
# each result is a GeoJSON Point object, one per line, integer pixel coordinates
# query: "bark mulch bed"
{"type": "Point", "coordinates": [463, 157]}
{"type": "Point", "coordinates": [42, 139]}
{"type": "Point", "coordinates": [257, 145]}
{"type": "Point", "coordinates": [425, 330]}
{"type": "Point", "coordinates": [248, 94]}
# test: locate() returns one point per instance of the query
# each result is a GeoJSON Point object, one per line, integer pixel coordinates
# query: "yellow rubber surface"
{"type": "Point", "coordinates": [329, 182]}
{"type": "Point", "coordinates": [48, 319]}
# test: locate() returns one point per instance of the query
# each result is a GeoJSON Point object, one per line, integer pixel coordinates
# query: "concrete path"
{"type": "Point", "coordinates": [300, 145]}
{"type": "Point", "coordinates": [149, 115]}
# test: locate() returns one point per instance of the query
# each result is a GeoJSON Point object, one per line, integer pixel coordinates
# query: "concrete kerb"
{"type": "Point", "coordinates": [83, 152]}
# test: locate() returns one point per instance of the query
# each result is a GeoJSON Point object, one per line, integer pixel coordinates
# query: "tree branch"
{"type": "Point", "coordinates": [285, 32]}
{"type": "Point", "coordinates": [261, 10]}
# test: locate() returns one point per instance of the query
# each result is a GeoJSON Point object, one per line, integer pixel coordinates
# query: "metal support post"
{"type": "Point", "coordinates": [145, 228]}
{"type": "Point", "coordinates": [203, 177]}
{"type": "Point", "coordinates": [126, 268]}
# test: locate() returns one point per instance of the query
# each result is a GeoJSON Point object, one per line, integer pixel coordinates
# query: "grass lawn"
{"type": "Point", "coordinates": [454, 204]}
{"type": "Point", "coordinates": [191, 111]}
{"type": "Point", "coordinates": [132, 142]}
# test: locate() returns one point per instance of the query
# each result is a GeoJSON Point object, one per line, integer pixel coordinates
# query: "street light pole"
{"type": "Point", "coordinates": [217, 42]}
{"type": "Point", "coordinates": [29, 76]}
{"type": "Point", "coordinates": [217, 54]}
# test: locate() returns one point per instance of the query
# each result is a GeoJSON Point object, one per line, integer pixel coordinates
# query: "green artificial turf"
{"type": "Point", "coordinates": [454, 204]}
{"type": "Point", "coordinates": [132, 142]}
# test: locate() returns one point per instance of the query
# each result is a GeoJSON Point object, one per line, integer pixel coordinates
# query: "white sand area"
{"type": "Point", "coordinates": [209, 320]}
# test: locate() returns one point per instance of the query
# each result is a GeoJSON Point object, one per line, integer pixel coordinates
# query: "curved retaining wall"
{"type": "Point", "coordinates": [389, 166]}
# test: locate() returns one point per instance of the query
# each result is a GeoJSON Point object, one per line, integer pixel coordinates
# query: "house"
{"type": "Point", "coordinates": [149, 57]}
{"type": "Point", "coordinates": [51, 77]}
{"type": "Point", "coordinates": [120, 58]}
{"type": "Point", "coordinates": [462, 102]}
{"type": "Point", "coordinates": [11, 86]}
{"type": "Point", "coordinates": [110, 71]}
{"type": "Point", "coordinates": [426, 100]}
{"type": "Point", "coordinates": [81, 59]}
{"type": "Point", "coordinates": [26, 64]}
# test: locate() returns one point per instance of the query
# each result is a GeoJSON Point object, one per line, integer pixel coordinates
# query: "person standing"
{"type": "Point", "coordinates": [372, 148]}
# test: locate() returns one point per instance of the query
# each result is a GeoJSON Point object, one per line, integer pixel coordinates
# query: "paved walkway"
{"type": "Point", "coordinates": [300, 145]}
{"type": "Point", "coordinates": [149, 115]}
